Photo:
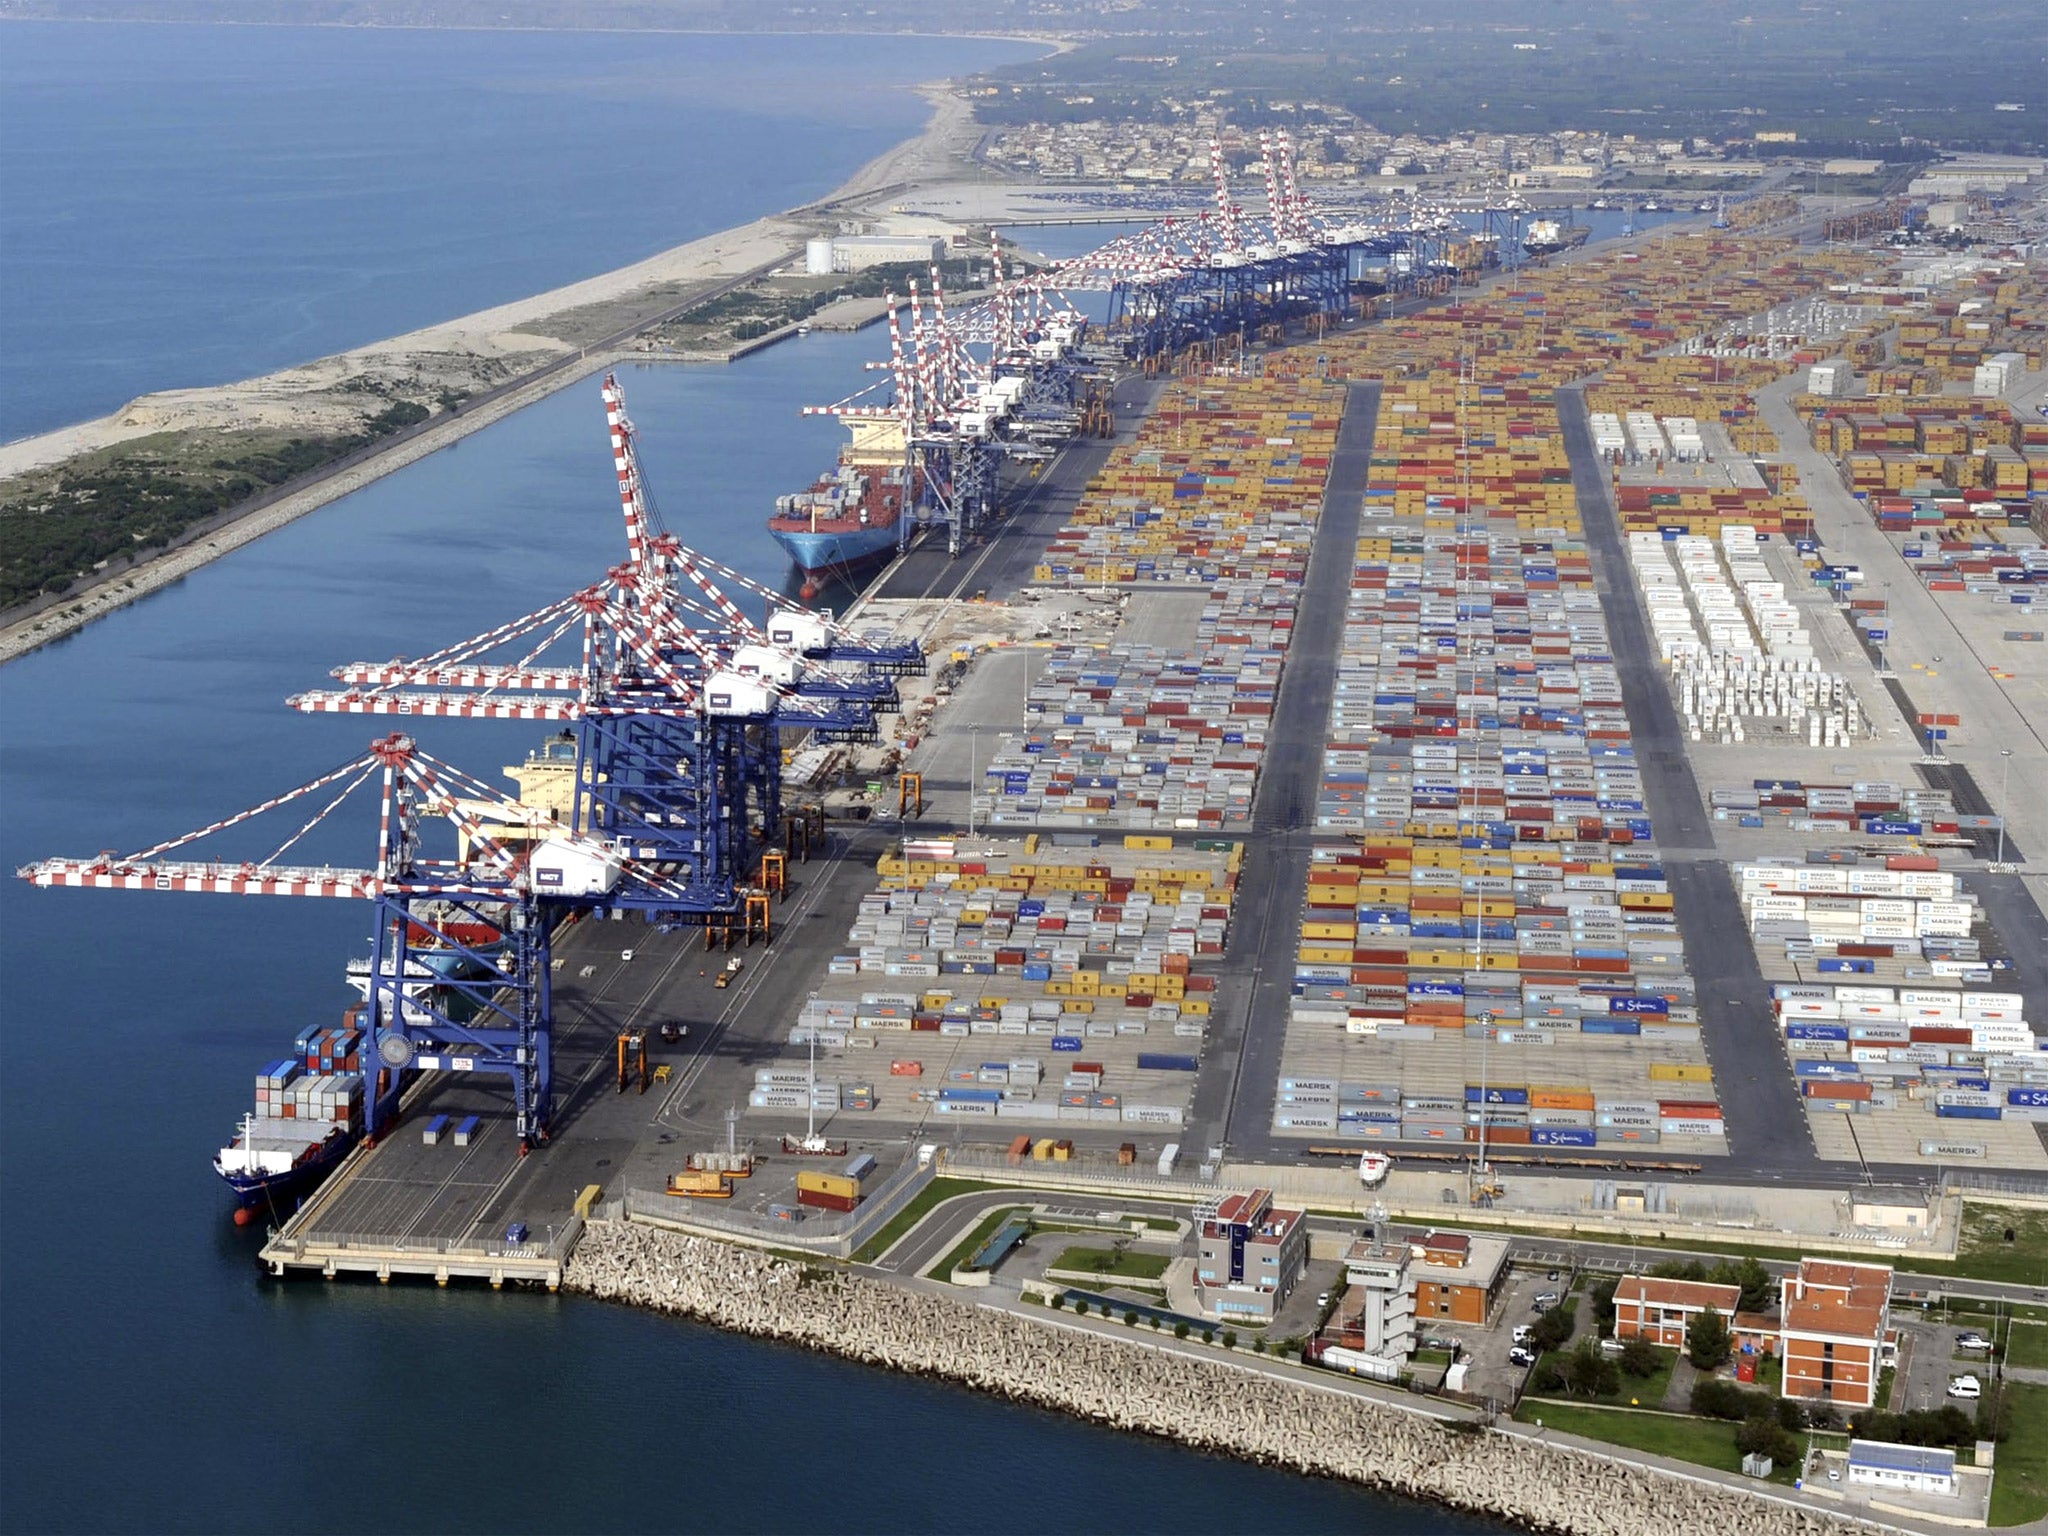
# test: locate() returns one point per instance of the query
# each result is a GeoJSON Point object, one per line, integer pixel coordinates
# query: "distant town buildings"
{"type": "Point", "coordinates": [1249, 1255]}
{"type": "Point", "coordinates": [1333, 145]}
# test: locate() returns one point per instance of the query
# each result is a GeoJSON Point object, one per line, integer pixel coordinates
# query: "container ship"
{"type": "Point", "coordinates": [1547, 237]}
{"type": "Point", "coordinates": [850, 519]}
{"type": "Point", "coordinates": [308, 1114]}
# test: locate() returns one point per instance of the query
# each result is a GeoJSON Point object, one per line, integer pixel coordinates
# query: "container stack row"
{"type": "Point", "coordinates": [1018, 980]}
{"type": "Point", "coordinates": [1221, 471]}
{"type": "Point", "coordinates": [1140, 736]}
{"type": "Point", "coordinates": [1739, 654]}
{"type": "Point", "coordinates": [285, 1091]}
{"type": "Point", "coordinates": [1494, 951]}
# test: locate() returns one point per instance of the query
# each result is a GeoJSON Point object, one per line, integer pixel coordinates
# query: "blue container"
{"type": "Point", "coordinates": [1849, 967]}
{"type": "Point", "coordinates": [1614, 1024]}
{"type": "Point", "coordinates": [1491, 1095]}
{"type": "Point", "coordinates": [1967, 1112]}
{"type": "Point", "coordinates": [1152, 1062]}
{"type": "Point", "coordinates": [1817, 1032]}
{"type": "Point", "coordinates": [1066, 1042]}
{"type": "Point", "coordinates": [1562, 1136]}
{"type": "Point", "coordinates": [2032, 1098]}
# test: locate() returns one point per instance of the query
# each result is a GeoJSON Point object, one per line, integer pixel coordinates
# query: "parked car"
{"type": "Point", "coordinates": [1441, 1341]}
{"type": "Point", "coordinates": [1965, 1387]}
{"type": "Point", "coordinates": [1973, 1343]}
{"type": "Point", "coordinates": [1612, 1347]}
{"type": "Point", "coordinates": [1552, 1276]}
{"type": "Point", "coordinates": [1323, 1300]}
{"type": "Point", "coordinates": [1523, 1357]}
{"type": "Point", "coordinates": [1522, 1332]}
{"type": "Point", "coordinates": [1548, 1299]}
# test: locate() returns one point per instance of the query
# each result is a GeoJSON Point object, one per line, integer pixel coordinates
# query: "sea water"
{"type": "Point", "coordinates": [154, 1380]}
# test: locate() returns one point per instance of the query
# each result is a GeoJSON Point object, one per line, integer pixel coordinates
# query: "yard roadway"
{"type": "Point", "coordinates": [409, 1191]}
{"type": "Point", "coordinates": [1767, 1130]}
{"type": "Point", "coordinates": [1259, 960]}
{"type": "Point", "coordinates": [1002, 565]}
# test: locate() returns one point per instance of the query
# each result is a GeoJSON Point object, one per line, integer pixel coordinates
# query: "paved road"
{"type": "Point", "coordinates": [1259, 959]}
{"type": "Point", "coordinates": [1003, 562]}
{"type": "Point", "coordinates": [1767, 1130]}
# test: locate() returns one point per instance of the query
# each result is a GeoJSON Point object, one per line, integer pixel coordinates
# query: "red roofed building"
{"type": "Point", "coordinates": [1833, 1328]}
{"type": "Point", "coordinates": [1249, 1255]}
{"type": "Point", "coordinates": [1662, 1310]}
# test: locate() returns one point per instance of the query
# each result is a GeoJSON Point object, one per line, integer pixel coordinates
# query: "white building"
{"type": "Point", "coordinates": [1377, 1315]}
{"type": "Point", "coordinates": [856, 253]}
{"type": "Point", "coordinates": [1902, 1468]}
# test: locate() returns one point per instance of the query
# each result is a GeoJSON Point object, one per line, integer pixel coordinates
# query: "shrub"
{"type": "Point", "coordinates": [1763, 1436]}
{"type": "Point", "coordinates": [1130, 1319]}
{"type": "Point", "coordinates": [1589, 1373]}
{"type": "Point", "coordinates": [1601, 1299]}
{"type": "Point", "coordinates": [1550, 1330]}
{"type": "Point", "coordinates": [1180, 1330]}
{"type": "Point", "coordinates": [1080, 1309]}
{"type": "Point", "coordinates": [1640, 1358]}
{"type": "Point", "coordinates": [1058, 1302]}
{"type": "Point", "coordinates": [1548, 1378]}
{"type": "Point", "coordinates": [1229, 1339]}
{"type": "Point", "coordinates": [1715, 1398]}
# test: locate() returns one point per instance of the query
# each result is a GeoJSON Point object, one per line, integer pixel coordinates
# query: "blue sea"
{"type": "Point", "coordinates": [153, 1381]}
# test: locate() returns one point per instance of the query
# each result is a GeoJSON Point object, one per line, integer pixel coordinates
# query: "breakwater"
{"type": "Point", "coordinates": [1206, 1404]}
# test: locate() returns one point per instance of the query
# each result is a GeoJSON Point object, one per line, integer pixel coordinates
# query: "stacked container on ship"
{"type": "Point", "coordinates": [308, 1114]}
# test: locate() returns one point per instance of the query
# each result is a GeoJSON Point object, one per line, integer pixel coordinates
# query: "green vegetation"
{"type": "Point", "coordinates": [1661, 1434]}
{"type": "Point", "coordinates": [1747, 1274]}
{"type": "Point", "coordinates": [135, 500]}
{"type": "Point", "coordinates": [1707, 1343]}
{"type": "Point", "coordinates": [1112, 1261]}
{"type": "Point", "coordinates": [1573, 1373]}
{"type": "Point", "coordinates": [1903, 74]}
{"type": "Point", "coordinates": [757, 309]}
{"type": "Point", "coordinates": [2004, 1243]}
{"type": "Point", "coordinates": [894, 1229]}
{"type": "Point", "coordinates": [2027, 1345]}
{"type": "Point", "coordinates": [2019, 1488]}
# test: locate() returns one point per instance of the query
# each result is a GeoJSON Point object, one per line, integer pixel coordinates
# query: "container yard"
{"type": "Point", "coordinates": [1495, 952]}
{"type": "Point", "coordinates": [1481, 932]}
{"type": "Point", "coordinates": [1015, 980]}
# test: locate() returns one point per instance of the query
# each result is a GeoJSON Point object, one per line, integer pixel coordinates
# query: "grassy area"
{"type": "Point", "coordinates": [911, 1214]}
{"type": "Point", "coordinates": [1630, 1391]}
{"type": "Point", "coordinates": [2027, 1344]}
{"type": "Point", "coordinates": [1704, 1442]}
{"type": "Point", "coordinates": [1431, 1357]}
{"type": "Point", "coordinates": [1110, 1261]}
{"type": "Point", "coordinates": [2019, 1485]}
{"type": "Point", "coordinates": [1984, 1252]}
{"type": "Point", "coordinates": [983, 1231]}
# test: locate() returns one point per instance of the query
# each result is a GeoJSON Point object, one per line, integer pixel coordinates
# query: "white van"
{"type": "Point", "coordinates": [1965, 1387]}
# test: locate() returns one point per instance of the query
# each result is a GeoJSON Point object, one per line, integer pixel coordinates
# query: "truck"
{"type": "Point", "coordinates": [725, 977]}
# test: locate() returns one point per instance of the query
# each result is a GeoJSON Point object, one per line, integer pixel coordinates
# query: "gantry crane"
{"type": "Point", "coordinates": [459, 968]}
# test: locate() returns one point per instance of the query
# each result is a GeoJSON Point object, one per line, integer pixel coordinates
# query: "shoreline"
{"type": "Point", "coordinates": [1178, 1391]}
{"type": "Point", "coordinates": [516, 330]}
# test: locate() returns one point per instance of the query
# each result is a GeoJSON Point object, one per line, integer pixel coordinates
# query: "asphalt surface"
{"type": "Point", "coordinates": [1242, 1076]}
{"type": "Point", "coordinates": [1012, 545]}
{"type": "Point", "coordinates": [1767, 1130]}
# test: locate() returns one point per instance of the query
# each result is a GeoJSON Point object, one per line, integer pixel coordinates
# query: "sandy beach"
{"type": "Point", "coordinates": [571, 331]}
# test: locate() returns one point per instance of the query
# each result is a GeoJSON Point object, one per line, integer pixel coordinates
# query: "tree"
{"type": "Point", "coordinates": [1756, 1282]}
{"type": "Point", "coordinates": [1602, 1299]}
{"type": "Point", "coordinates": [1551, 1329]}
{"type": "Point", "coordinates": [1767, 1437]}
{"type": "Point", "coordinates": [1180, 1330]}
{"type": "Point", "coordinates": [1229, 1339]}
{"type": "Point", "coordinates": [1588, 1372]}
{"type": "Point", "coordinates": [1706, 1341]}
{"type": "Point", "coordinates": [1640, 1358]}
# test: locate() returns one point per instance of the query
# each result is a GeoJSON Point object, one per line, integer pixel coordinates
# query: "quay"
{"type": "Point", "coordinates": [1254, 582]}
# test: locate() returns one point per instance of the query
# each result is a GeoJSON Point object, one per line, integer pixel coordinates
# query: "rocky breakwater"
{"type": "Point", "coordinates": [1131, 1384]}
